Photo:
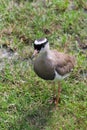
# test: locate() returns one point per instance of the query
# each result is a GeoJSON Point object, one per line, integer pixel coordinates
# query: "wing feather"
{"type": "Point", "coordinates": [64, 63]}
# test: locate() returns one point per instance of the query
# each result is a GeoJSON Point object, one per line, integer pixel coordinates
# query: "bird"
{"type": "Point", "coordinates": [51, 64]}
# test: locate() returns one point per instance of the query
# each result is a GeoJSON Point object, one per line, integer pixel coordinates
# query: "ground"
{"type": "Point", "coordinates": [25, 99]}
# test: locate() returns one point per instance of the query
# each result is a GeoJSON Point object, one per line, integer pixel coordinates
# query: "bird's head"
{"type": "Point", "coordinates": [40, 46]}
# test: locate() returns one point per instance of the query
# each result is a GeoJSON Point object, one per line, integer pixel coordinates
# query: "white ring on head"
{"type": "Point", "coordinates": [40, 42]}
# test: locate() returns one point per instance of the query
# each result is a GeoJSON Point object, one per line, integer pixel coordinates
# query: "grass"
{"type": "Point", "coordinates": [25, 98]}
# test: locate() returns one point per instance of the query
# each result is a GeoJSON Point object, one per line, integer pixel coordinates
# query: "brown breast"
{"type": "Point", "coordinates": [44, 69]}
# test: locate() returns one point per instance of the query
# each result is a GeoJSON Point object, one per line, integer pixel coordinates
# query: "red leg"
{"type": "Point", "coordinates": [59, 91]}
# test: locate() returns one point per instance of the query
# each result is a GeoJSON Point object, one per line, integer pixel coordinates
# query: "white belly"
{"type": "Point", "coordinates": [60, 77]}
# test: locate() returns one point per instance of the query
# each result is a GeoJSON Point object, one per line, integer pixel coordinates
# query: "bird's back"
{"type": "Point", "coordinates": [63, 63]}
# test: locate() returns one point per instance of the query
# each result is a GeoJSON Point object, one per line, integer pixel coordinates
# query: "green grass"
{"type": "Point", "coordinates": [25, 98]}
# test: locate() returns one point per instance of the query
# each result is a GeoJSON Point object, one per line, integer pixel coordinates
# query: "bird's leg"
{"type": "Point", "coordinates": [56, 97]}
{"type": "Point", "coordinates": [54, 94]}
{"type": "Point", "coordinates": [59, 91]}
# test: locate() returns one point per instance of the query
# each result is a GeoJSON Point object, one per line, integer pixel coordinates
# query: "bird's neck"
{"type": "Point", "coordinates": [44, 53]}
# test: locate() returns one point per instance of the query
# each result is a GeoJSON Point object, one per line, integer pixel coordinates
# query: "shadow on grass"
{"type": "Point", "coordinates": [38, 118]}
{"type": "Point", "coordinates": [33, 119]}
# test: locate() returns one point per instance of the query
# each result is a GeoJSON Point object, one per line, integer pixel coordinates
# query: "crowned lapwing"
{"type": "Point", "coordinates": [51, 64]}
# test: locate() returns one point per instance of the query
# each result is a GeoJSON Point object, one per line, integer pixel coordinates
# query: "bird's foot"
{"type": "Point", "coordinates": [56, 101]}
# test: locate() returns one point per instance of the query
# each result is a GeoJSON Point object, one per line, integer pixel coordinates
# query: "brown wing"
{"type": "Point", "coordinates": [64, 63]}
